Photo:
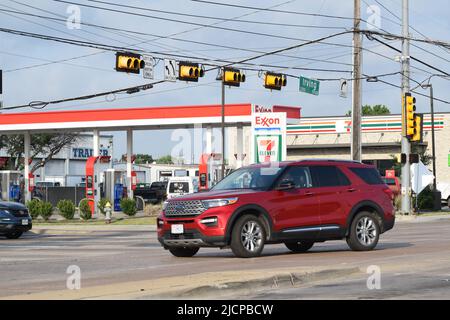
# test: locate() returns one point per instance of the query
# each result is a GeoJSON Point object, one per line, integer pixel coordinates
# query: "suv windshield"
{"type": "Point", "coordinates": [257, 178]}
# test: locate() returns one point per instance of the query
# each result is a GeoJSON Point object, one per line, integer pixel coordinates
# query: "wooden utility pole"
{"type": "Point", "coordinates": [356, 148]}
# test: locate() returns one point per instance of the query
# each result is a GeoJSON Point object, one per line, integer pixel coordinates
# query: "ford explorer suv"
{"type": "Point", "coordinates": [14, 219]}
{"type": "Point", "coordinates": [296, 203]}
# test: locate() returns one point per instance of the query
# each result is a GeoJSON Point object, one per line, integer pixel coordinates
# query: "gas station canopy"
{"type": "Point", "coordinates": [136, 118]}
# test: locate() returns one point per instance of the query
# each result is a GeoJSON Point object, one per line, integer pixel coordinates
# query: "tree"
{"type": "Point", "coordinates": [42, 145]}
{"type": "Point", "coordinates": [143, 158]}
{"type": "Point", "coordinates": [165, 160]}
{"type": "Point", "coordinates": [140, 158]}
{"type": "Point", "coordinates": [376, 110]}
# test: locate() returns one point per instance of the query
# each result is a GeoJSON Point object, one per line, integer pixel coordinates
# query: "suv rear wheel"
{"type": "Point", "coordinates": [183, 252]}
{"type": "Point", "coordinates": [364, 232]}
{"type": "Point", "coordinates": [248, 237]}
{"type": "Point", "coordinates": [299, 246]}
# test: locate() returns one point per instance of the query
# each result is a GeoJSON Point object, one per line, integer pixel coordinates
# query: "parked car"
{"type": "Point", "coordinates": [153, 193]}
{"type": "Point", "coordinates": [394, 185]}
{"type": "Point", "coordinates": [179, 186]}
{"type": "Point", "coordinates": [296, 203]}
{"type": "Point", "coordinates": [14, 219]}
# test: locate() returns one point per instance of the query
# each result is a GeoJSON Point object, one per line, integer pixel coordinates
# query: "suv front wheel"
{"type": "Point", "coordinates": [364, 232]}
{"type": "Point", "coordinates": [248, 237]}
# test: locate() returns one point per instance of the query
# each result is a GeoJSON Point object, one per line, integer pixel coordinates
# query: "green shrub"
{"type": "Point", "coordinates": [128, 206]}
{"type": "Point", "coordinates": [45, 210]}
{"type": "Point", "coordinates": [85, 210]}
{"type": "Point", "coordinates": [66, 209]}
{"type": "Point", "coordinates": [33, 208]}
{"type": "Point", "coordinates": [101, 205]}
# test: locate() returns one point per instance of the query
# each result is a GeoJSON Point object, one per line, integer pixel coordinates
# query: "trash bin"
{"type": "Point", "coordinates": [436, 200]}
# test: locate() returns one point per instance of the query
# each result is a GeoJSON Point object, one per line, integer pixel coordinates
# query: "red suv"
{"type": "Point", "coordinates": [295, 203]}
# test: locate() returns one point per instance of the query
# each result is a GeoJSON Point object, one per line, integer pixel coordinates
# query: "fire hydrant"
{"type": "Point", "coordinates": [108, 212]}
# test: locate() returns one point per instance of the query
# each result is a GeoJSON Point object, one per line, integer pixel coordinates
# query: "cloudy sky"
{"type": "Point", "coordinates": [40, 70]}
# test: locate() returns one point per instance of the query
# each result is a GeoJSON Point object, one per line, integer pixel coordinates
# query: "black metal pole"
{"type": "Point", "coordinates": [433, 145]}
{"type": "Point", "coordinates": [223, 126]}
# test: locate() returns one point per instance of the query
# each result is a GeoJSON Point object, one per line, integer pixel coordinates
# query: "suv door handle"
{"type": "Point", "coordinates": [309, 193]}
{"type": "Point", "coordinates": [351, 190]}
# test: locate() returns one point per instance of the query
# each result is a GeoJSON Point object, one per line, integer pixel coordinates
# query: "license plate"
{"type": "Point", "coordinates": [177, 229]}
{"type": "Point", "coordinates": [24, 222]}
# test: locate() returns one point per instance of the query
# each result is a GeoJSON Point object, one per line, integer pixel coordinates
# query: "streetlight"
{"type": "Point", "coordinates": [433, 146]}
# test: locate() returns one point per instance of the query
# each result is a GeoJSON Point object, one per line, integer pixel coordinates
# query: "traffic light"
{"type": "Point", "coordinates": [129, 62]}
{"type": "Point", "coordinates": [274, 81]}
{"type": "Point", "coordinates": [418, 128]}
{"type": "Point", "coordinates": [190, 71]}
{"type": "Point", "coordinates": [410, 108]}
{"type": "Point", "coordinates": [232, 77]}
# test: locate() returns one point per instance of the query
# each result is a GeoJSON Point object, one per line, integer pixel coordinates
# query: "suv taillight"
{"type": "Point", "coordinates": [389, 193]}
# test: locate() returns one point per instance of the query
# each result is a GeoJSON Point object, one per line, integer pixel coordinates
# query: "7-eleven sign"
{"type": "Point", "coordinates": [268, 148]}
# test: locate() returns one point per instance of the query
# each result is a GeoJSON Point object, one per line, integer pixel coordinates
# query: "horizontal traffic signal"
{"type": "Point", "coordinates": [232, 77]}
{"type": "Point", "coordinates": [274, 80]}
{"type": "Point", "coordinates": [129, 62]}
{"type": "Point", "coordinates": [188, 71]}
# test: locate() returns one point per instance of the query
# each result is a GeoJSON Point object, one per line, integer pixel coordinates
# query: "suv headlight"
{"type": "Point", "coordinates": [5, 215]}
{"type": "Point", "coordinates": [164, 206]}
{"type": "Point", "coordinates": [212, 203]}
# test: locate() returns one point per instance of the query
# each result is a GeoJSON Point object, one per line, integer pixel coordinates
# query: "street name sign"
{"type": "Point", "coordinates": [310, 86]}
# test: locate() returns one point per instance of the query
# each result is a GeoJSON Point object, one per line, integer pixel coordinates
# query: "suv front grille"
{"type": "Point", "coordinates": [19, 213]}
{"type": "Point", "coordinates": [184, 208]}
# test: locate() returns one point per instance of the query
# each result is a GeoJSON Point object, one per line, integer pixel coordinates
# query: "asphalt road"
{"type": "Point", "coordinates": [414, 260]}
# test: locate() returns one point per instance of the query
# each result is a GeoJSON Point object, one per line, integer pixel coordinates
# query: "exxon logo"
{"type": "Point", "coordinates": [266, 121]}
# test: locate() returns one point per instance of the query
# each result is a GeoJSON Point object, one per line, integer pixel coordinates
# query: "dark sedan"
{"type": "Point", "coordinates": [14, 219]}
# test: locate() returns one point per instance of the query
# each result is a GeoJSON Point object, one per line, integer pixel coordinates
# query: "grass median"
{"type": "Point", "coordinates": [118, 222]}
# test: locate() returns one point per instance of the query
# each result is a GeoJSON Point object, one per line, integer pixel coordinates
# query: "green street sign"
{"type": "Point", "coordinates": [310, 86]}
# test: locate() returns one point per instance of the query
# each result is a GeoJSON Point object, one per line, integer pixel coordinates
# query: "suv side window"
{"type": "Point", "coordinates": [368, 175]}
{"type": "Point", "coordinates": [300, 176]}
{"type": "Point", "coordinates": [328, 176]}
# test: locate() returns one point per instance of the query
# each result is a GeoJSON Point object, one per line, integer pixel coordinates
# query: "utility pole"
{"type": "Point", "coordinates": [406, 146]}
{"type": "Point", "coordinates": [1, 90]}
{"type": "Point", "coordinates": [223, 125]}
{"type": "Point", "coordinates": [356, 148]}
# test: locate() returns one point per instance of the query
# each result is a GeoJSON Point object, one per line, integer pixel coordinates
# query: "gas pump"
{"type": "Point", "coordinates": [93, 166]}
{"type": "Point", "coordinates": [10, 185]}
{"type": "Point", "coordinates": [115, 186]}
{"type": "Point", "coordinates": [208, 175]}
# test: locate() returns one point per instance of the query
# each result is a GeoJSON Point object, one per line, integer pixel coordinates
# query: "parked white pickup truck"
{"type": "Point", "coordinates": [444, 188]}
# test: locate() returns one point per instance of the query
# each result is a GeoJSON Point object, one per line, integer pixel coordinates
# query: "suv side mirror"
{"type": "Point", "coordinates": [286, 185]}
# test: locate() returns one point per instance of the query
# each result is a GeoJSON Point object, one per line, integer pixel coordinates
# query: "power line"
{"type": "Point", "coordinates": [172, 38]}
{"type": "Point", "coordinates": [399, 24]}
{"type": "Point", "coordinates": [370, 37]}
{"type": "Point", "coordinates": [275, 10]}
{"type": "Point", "coordinates": [43, 104]}
{"type": "Point", "coordinates": [216, 18]}
{"type": "Point", "coordinates": [209, 62]}
{"type": "Point", "coordinates": [196, 24]}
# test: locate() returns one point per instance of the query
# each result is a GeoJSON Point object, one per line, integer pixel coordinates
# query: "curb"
{"type": "Point", "coordinates": [245, 287]}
